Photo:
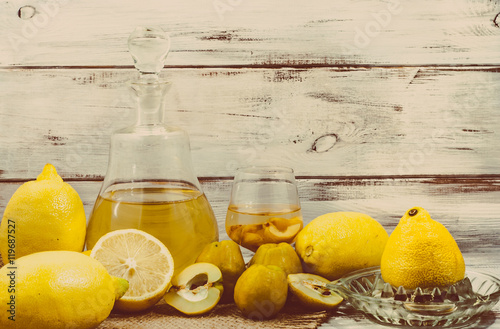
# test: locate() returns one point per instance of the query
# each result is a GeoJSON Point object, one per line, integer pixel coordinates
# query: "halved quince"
{"type": "Point", "coordinates": [234, 232]}
{"type": "Point", "coordinates": [196, 290]}
{"type": "Point", "coordinates": [278, 229]}
{"type": "Point", "coordinates": [252, 236]}
{"type": "Point", "coordinates": [311, 290]}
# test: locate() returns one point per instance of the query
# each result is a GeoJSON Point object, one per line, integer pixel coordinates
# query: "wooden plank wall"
{"type": "Point", "coordinates": [377, 105]}
{"type": "Point", "coordinates": [249, 33]}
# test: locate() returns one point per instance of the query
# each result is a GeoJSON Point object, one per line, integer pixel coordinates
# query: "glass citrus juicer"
{"type": "Point", "coordinates": [150, 183]}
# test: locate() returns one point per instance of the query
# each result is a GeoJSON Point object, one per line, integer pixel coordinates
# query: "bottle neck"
{"type": "Point", "coordinates": [151, 101]}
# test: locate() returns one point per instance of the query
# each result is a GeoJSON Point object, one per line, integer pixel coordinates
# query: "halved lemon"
{"type": "Point", "coordinates": [142, 260]}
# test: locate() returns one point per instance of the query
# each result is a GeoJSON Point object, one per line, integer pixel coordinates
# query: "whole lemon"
{"type": "Point", "coordinates": [44, 214]}
{"type": "Point", "coordinates": [261, 291]}
{"type": "Point", "coordinates": [55, 290]}
{"type": "Point", "coordinates": [337, 243]}
{"type": "Point", "coordinates": [421, 253]}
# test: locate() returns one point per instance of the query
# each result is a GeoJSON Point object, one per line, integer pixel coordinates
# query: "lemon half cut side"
{"type": "Point", "coordinates": [142, 260]}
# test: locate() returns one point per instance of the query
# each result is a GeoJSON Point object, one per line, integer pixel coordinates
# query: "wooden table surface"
{"type": "Point", "coordinates": [379, 106]}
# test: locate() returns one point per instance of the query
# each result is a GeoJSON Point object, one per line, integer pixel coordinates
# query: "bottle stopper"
{"type": "Point", "coordinates": [149, 47]}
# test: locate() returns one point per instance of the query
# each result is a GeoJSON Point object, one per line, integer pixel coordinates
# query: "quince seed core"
{"type": "Point", "coordinates": [317, 286]}
{"type": "Point", "coordinates": [196, 289]}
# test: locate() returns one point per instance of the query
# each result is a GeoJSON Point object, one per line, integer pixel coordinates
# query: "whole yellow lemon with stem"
{"type": "Point", "coordinates": [421, 253]}
{"type": "Point", "coordinates": [337, 243]}
{"type": "Point", "coordinates": [57, 290]}
{"type": "Point", "coordinates": [42, 215]}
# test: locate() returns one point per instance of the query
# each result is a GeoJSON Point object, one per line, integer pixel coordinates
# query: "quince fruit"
{"type": "Point", "coordinates": [274, 230]}
{"type": "Point", "coordinates": [252, 236]}
{"type": "Point", "coordinates": [249, 236]}
{"type": "Point", "coordinates": [311, 291]}
{"type": "Point", "coordinates": [196, 290]}
{"type": "Point", "coordinates": [226, 255]}
{"type": "Point", "coordinates": [261, 291]}
{"type": "Point", "coordinates": [234, 232]}
{"type": "Point", "coordinates": [282, 255]}
{"type": "Point", "coordinates": [279, 229]}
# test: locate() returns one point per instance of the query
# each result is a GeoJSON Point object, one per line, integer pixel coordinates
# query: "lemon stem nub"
{"type": "Point", "coordinates": [121, 287]}
{"type": "Point", "coordinates": [49, 172]}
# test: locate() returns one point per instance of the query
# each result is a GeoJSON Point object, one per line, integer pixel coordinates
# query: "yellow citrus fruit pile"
{"type": "Point", "coordinates": [132, 270]}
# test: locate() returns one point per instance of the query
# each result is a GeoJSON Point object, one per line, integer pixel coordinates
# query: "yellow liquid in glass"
{"type": "Point", "coordinates": [250, 225]}
{"type": "Point", "coordinates": [179, 217]}
{"type": "Point", "coordinates": [259, 214]}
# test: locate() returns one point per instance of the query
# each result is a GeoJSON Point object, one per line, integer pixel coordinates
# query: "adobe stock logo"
{"type": "Point", "coordinates": [380, 20]}
{"type": "Point", "coordinates": [223, 6]}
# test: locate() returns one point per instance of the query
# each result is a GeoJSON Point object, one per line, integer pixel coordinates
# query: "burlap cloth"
{"type": "Point", "coordinates": [223, 316]}
{"type": "Point", "coordinates": [292, 316]}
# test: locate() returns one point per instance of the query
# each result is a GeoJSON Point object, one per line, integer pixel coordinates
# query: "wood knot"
{"type": "Point", "coordinates": [26, 12]}
{"type": "Point", "coordinates": [324, 143]}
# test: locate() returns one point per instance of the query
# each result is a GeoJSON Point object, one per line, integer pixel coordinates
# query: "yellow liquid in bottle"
{"type": "Point", "coordinates": [180, 217]}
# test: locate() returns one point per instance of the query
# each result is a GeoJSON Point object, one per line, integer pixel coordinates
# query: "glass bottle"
{"type": "Point", "coordinates": [150, 183]}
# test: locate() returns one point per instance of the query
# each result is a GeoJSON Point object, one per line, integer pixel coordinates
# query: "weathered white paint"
{"type": "Point", "coordinates": [257, 32]}
{"type": "Point", "coordinates": [320, 121]}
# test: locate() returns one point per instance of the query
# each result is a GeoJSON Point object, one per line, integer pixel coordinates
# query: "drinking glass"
{"type": "Point", "coordinates": [264, 207]}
